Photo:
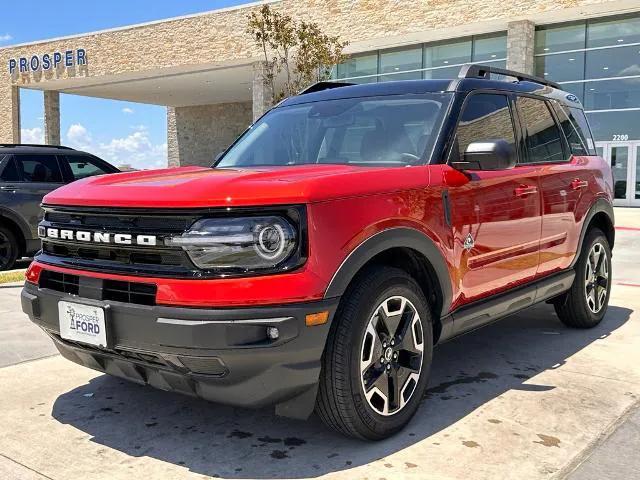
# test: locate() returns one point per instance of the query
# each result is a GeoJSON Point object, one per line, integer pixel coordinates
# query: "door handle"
{"type": "Point", "coordinates": [524, 190]}
{"type": "Point", "coordinates": [577, 184]}
{"type": "Point", "coordinates": [8, 188]}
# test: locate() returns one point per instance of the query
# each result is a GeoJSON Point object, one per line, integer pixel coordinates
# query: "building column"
{"type": "Point", "coordinates": [51, 117]}
{"type": "Point", "coordinates": [9, 114]}
{"type": "Point", "coordinates": [173, 152]}
{"type": "Point", "coordinates": [520, 46]}
{"type": "Point", "coordinates": [262, 91]}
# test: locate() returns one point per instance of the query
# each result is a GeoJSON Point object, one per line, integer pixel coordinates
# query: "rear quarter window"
{"type": "Point", "coordinates": [575, 127]}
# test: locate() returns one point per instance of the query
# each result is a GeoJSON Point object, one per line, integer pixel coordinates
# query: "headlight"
{"type": "Point", "coordinates": [238, 244]}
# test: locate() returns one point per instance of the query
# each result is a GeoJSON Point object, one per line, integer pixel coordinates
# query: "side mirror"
{"type": "Point", "coordinates": [488, 155]}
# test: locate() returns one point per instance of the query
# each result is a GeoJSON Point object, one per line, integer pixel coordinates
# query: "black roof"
{"type": "Point", "coordinates": [471, 77]}
{"type": "Point", "coordinates": [37, 148]}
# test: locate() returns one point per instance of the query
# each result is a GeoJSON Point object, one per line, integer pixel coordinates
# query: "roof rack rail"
{"type": "Point", "coordinates": [475, 70]}
{"type": "Point", "coordinates": [13, 145]}
{"type": "Point", "coordinates": [318, 87]}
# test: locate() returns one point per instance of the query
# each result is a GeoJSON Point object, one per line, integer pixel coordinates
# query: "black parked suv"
{"type": "Point", "coordinates": [28, 173]}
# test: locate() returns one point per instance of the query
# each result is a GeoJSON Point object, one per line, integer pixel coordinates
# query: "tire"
{"type": "Point", "coordinates": [8, 248]}
{"type": "Point", "coordinates": [585, 304]}
{"type": "Point", "coordinates": [355, 345]}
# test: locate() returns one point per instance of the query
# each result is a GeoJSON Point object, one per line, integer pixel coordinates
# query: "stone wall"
{"type": "Point", "coordinates": [195, 135]}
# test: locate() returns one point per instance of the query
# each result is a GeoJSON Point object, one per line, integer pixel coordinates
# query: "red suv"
{"type": "Point", "coordinates": [341, 237]}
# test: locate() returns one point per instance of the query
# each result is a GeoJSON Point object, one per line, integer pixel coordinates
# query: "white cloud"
{"type": "Point", "coordinates": [32, 135]}
{"type": "Point", "coordinates": [127, 110]}
{"type": "Point", "coordinates": [5, 38]}
{"type": "Point", "coordinates": [135, 149]}
{"type": "Point", "coordinates": [78, 135]}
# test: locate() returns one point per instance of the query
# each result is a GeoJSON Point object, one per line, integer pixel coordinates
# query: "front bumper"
{"type": "Point", "coordinates": [221, 355]}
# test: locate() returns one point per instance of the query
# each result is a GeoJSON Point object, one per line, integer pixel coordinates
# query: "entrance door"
{"type": "Point", "coordinates": [624, 158]}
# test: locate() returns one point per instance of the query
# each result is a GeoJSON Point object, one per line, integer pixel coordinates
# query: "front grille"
{"type": "Point", "coordinates": [157, 260]}
{"type": "Point", "coordinates": [113, 290]}
{"type": "Point", "coordinates": [129, 292]}
{"type": "Point", "coordinates": [120, 255]}
{"type": "Point", "coordinates": [119, 222]}
{"type": "Point", "coordinates": [60, 282]}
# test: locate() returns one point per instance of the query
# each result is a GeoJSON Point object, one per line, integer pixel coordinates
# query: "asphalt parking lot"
{"type": "Point", "coordinates": [523, 398]}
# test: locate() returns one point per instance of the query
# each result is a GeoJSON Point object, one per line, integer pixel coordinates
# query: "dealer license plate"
{"type": "Point", "coordinates": [82, 323]}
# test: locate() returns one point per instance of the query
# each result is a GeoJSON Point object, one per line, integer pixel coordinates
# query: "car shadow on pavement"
{"type": "Point", "coordinates": [216, 440]}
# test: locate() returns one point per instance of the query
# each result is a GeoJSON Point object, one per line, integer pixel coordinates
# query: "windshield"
{"type": "Point", "coordinates": [372, 131]}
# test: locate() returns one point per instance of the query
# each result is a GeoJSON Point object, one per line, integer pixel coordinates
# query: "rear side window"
{"type": "Point", "coordinates": [543, 138]}
{"type": "Point", "coordinates": [8, 170]}
{"type": "Point", "coordinates": [580, 120]}
{"type": "Point", "coordinates": [39, 168]}
{"type": "Point", "coordinates": [83, 166]}
{"type": "Point", "coordinates": [485, 117]}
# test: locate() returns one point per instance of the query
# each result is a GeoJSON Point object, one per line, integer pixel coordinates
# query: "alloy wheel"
{"type": "Point", "coordinates": [391, 355]}
{"type": "Point", "coordinates": [596, 278]}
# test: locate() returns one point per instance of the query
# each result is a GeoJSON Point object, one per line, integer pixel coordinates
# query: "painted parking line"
{"type": "Point", "coordinates": [629, 229]}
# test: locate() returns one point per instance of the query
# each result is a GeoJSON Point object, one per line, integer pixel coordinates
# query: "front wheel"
{"type": "Point", "coordinates": [585, 304]}
{"type": "Point", "coordinates": [378, 355]}
{"type": "Point", "coordinates": [8, 249]}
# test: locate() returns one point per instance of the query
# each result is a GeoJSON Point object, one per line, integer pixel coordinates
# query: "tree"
{"type": "Point", "coordinates": [300, 51]}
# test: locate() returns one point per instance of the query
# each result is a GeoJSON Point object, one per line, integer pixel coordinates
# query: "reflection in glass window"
{"type": "Point", "coordinates": [485, 117]}
{"type": "Point", "coordinates": [450, 53]}
{"type": "Point", "coordinates": [607, 124]}
{"type": "Point", "coordinates": [358, 66]}
{"type": "Point", "coordinates": [615, 31]}
{"type": "Point", "coordinates": [560, 38]}
{"type": "Point", "coordinates": [575, 128]}
{"type": "Point", "coordinates": [39, 168]}
{"type": "Point", "coordinates": [562, 67]}
{"type": "Point", "coordinates": [544, 141]}
{"type": "Point", "coordinates": [8, 169]}
{"type": "Point", "coordinates": [489, 47]}
{"type": "Point", "coordinates": [618, 62]}
{"type": "Point", "coordinates": [619, 166]}
{"type": "Point", "coordinates": [442, 73]}
{"type": "Point", "coordinates": [608, 94]}
{"type": "Point", "coordinates": [400, 61]}
{"type": "Point", "coordinates": [394, 130]}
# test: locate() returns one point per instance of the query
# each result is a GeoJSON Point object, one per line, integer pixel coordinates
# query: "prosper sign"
{"type": "Point", "coordinates": [48, 61]}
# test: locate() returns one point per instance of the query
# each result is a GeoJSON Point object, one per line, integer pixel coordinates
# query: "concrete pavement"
{"type": "Point", "coordinates": [20, 340]}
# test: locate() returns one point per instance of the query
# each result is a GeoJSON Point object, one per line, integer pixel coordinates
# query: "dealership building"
{"type": "Point", "coordinates": [207, 71]}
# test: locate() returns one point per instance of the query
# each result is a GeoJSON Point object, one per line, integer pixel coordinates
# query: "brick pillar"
{"type": "Point", "coordinates": [262, 91]}
{"type": "Point", "coordinates": [173, 152]}
{"type": "Point", "coordinates": [51, 117]}
{"type": "Point", "coordinates": [520, 46]}
{"type": "Point", "coordinates": [9, 114]}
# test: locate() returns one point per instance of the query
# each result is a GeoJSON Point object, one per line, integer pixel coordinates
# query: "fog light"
{"type": "Point", "coordinates": [273, 333]}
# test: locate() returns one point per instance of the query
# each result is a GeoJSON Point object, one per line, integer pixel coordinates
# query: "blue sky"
{"type": "Point", "coordinates": [120, 132]}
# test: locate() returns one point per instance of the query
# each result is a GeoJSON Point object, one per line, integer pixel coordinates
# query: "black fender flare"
{"type": "Point", "coordinates": [600, 205]}
{"type": "Point", "coordinates": [398, 237]}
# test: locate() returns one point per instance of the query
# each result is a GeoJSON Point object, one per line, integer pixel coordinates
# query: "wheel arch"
{"type": "Point", "coordinates": [404, 248]}
{"type": "Point", "coordinates": [600, 215]}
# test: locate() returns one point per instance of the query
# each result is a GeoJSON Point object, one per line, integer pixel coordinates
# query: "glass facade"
{"type": "Point", "coordinates": [599, 61]}
{"type": "Point", "coordinates": [429, 60]}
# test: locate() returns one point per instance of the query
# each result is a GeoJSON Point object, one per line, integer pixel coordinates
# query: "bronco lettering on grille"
{"type": "Point", "coordinates": [97, 237]}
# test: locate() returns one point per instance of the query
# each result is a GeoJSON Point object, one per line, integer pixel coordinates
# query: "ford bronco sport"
{"type": "Point", "coordinates": [341, 237]}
